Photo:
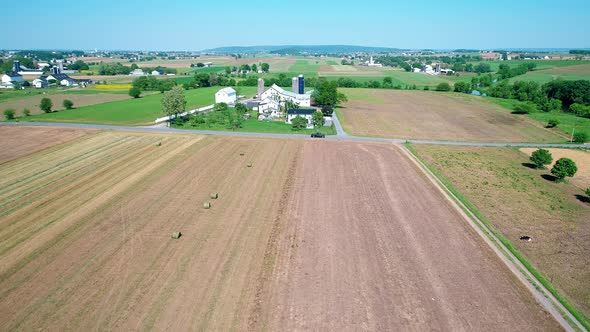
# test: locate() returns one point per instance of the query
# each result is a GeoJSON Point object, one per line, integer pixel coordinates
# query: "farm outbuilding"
{"type": "Point", "coordinates": [226, 95]}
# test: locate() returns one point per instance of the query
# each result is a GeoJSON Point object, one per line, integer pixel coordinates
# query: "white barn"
{"type": "Point", "coordinates": [281, 95]}
{"type": "Point", "coordinates": [226, 95]}
{"type": "Point", "coordinates": [12, 77]}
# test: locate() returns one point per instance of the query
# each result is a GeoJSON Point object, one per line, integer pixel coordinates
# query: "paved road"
{"type": "Point", "coordinates": [298, 136]}
{"type": "Point", "coordinates": [339, 130]}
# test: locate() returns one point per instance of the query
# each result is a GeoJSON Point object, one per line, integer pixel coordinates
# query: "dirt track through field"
{"type": "Point", "coordinates": [370, 245]}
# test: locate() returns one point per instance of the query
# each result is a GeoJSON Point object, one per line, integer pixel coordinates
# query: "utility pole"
{"type": "Point", "coordinates": [573, 131]}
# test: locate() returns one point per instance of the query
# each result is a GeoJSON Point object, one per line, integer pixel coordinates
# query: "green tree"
{"type": "Point", "coordinates": [317, 119]}
{"type": "Point", "coordinates": [327, 110]}
{"type": "Point", "coordinates": [228, 70]}
{"type": "Point", "coordinates": [299, 122]}
{"type": "Point", "coordinates": [265, 67]}
{"type": "Point", "coordinates": [254, 68]}
{"type": "Point", "coordinates": [443, 87]}
{"type": "Point", "coordinates": [580, 137]}
{"type": "Point", "coordinates": [462, 87]}
{"type": "Point", "coordinates": [173, 102]}
{"type": "Point", "coordinates": [563, 168]}
{"type": "Point", "coordinates": [326, 93]}
{"type": "Point", "coordinates": [26, 112]}
{"type": "Point", "coordinates": [552, 123]}
{"type": "Point", "coordinates": [135, 92]}
{"type": "Point", "coordinates": [68, 104]}
{"type": "Point", "coordinates": [9, 114]}
{"type": "Point", "coordinates": [220, 107]}
{"type": "Point", "coordinates": [541, 158]}
{"type": "Point", "coordinates": [588, 192]}
{"type": "Point", "coordinates": [524, 108]}
{"type": "Point", "coordinates": [481, 68]}
{"type": "Point", "coordinates": [46, 105]}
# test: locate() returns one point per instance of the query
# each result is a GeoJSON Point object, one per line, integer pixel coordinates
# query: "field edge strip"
{"type": "Point", "coordinates": [568, 311]}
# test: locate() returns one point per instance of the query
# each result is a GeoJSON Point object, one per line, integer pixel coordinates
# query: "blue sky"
{"type": "Point", "coordinates": [197, 25]}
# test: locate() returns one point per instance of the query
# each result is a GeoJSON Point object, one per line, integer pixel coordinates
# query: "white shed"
{"type": "Point", "coordinates": [226, 95]}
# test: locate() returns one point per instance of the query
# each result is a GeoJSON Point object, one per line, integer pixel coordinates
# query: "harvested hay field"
{"type": "Point", "coordinates": [80, 100]}
{"type": "Point", "coordinates": [370, 244]}
{"type": "Point", "coordinates": [86, 232]}
{"type": "Point", "coordinates": [519, 201]}
{"type": "Point", "coordinates": [580, 157]}
{"type": "Point", "coordinates": [436, 116]}
{"type": "Point", "coordinates": [19, 141]}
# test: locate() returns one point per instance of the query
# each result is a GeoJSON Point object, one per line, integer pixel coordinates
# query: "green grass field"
{"type": "Point", "coordinates": [567, 121]}
{"type": "Point", "coordinates": [255, 126]}
{"type": "Point", "coordinates": [541, 64]}
{"type": "Point", "coordinates": [305, 67]}
{"type": "Point", "coordinates": [142, 111]}
{"type": "Point", "coordinates": [494, 183]}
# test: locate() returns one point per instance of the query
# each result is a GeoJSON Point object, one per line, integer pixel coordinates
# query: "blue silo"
{"type": "Point", "coordinates": [301, 84]}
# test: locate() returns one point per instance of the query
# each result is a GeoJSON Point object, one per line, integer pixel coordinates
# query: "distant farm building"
{"type": "Point", "coordinates": [12, 77]}
{"type": "Point", "coordinates": [226, 95]}
{"type": "Point", "coordinates": [157, 72]}
{"type": "Point", "coordinates": [137, 72]}
{"type": "Point", "coordinates": [40, 82]}
{"type": "Point", "coordinates": [370, 63]}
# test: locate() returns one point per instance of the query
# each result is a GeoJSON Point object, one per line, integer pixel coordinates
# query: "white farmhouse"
{"type": "Point", "coordinates": [226, 95]}
{"type": "Point", "coordinates": [137, 72]}
{"type": "Point", "coordinates": [12, 77]}
{"type": "Point", "coordinates": [304, 113]}
{"type": "Point", "coordinates": [40, 82]}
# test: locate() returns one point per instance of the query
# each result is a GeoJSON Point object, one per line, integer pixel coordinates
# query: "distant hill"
{"type": "Point", "coordinates": [301, 49]}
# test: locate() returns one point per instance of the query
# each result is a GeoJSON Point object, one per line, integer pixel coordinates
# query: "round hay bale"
{"type": "Point", "coordinates": [249, 165]}
{"type": "Point", "coordinates": [176, 235]}
{"type": "Point", "coordinates": [241, 153]}
{"type": "Point", "coordinates": [206, 205]}
{"type": "Point", "coordinates": [214, 195]}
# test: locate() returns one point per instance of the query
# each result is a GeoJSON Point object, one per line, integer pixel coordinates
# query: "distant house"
{"type": "Point", "coordinates": [12, 77]}
{"type": "Point", "coordinates": [62, 79]}
{"type": "Point", "coordinates": [137, 72]}
{"type": "Point", "coordinates": [269, 109]}
{"type": "Point", "coordinates": [226, 95]}
{"type": "Point", "coordinates": [157, 72]}
{"type": "Point", "coordinates": [40, 82]}
{"type": "Point", "coordinates": [305, 113]}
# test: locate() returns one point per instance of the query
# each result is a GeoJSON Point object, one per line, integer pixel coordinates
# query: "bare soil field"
{"type": "Point", "coordinates": [436, 116]}
{"type": "Point", "coordinates": [21, 141]}
{"type": "Point", "coordinates": [580, 157]}
{"type": "Point", "coordinates": [32, 102]}
{"type": "Point", "coordinates": [85, 232]}
{"type": "Point", "coordinates": [519, 200]}
{"type": "Point", "coordinates": [369, 244]}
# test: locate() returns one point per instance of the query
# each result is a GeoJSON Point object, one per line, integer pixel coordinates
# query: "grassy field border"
{"type": "Point", "coordinates": [487, 228]}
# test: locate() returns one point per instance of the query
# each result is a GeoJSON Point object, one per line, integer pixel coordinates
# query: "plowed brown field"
{"type": "Point", "coordinates": [85, 232]}
{"type": "Point", "coordinates": [20, 141]}
{"type": "Point", "coordinates": [315, 236]}
{"type": "Point", "coordinates": [435, 116]}
{"type": "Point", "coordinates": [371, 245]}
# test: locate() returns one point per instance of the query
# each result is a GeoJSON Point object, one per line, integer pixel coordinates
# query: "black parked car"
{"type": "Point", "coordinates": [318, 134]}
